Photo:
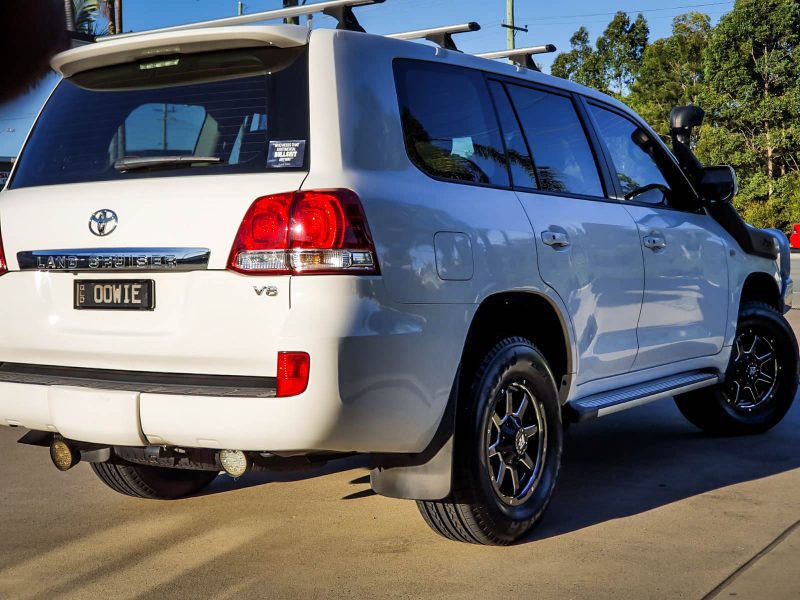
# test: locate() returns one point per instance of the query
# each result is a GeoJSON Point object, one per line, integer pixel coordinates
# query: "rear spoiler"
{"type": "Point", "coordinates": [131, 48]}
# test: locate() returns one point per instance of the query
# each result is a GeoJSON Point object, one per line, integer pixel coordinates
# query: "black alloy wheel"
{"type": "Point", "coordinates": [761, 380]}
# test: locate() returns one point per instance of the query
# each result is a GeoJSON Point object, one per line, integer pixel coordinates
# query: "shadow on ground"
{"type": "Point", "coordinates": [648, 457]}
{"type": "Point", "coordinates": [621, 465]}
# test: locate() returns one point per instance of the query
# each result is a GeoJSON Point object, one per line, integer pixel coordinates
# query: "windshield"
{"type": "Point", "coordinates": [233, 111]}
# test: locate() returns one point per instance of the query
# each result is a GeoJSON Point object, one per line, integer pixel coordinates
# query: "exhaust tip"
{"type": "Point", "coordinates": [63, 455]}
{"type": "Point", "coordinates": [234, 462]}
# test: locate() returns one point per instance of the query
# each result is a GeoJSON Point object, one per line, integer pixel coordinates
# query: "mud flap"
{"type": "Point", "coordinates": [424, 476]}
{"type": "Point", "coordinates": [428, 481]}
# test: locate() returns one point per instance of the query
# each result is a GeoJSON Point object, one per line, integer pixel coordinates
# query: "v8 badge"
{"type": "Point", "coordinates": [267, 290]}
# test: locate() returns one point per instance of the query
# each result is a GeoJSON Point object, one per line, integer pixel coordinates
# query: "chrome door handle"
{"type": "Point", "coordinates": [555, 239]}
{"type": "Point", "coordinates": [655, 242]}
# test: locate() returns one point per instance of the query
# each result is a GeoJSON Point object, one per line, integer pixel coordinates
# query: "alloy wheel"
{"type": "Point", "coordinates": [515, 442]}
{"type": "Point", "coordinates": [753, 375]}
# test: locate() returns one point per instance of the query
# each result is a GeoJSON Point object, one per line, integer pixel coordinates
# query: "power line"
{"type": "Point", "coordinates": [605, 21]}
{"type": "Point", "coordinates": [641, 10]}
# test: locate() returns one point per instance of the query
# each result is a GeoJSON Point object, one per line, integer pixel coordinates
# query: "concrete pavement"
{"type": "Point", "coordinates": [646, 507]}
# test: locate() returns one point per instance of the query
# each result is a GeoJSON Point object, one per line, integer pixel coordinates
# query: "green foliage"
{"type": "Point", "coordinates": [107, 9]}
{"type": "Point", "coordinates": [745, 73]}
{"type": "Point", "coordinates": [581, 64]}
{"type": "Point", "coordinates": [620, 51]}
{"type": "Point", "coordinates": [671, 73]}
{"type": "Point", "coordinates": [752, 97]}
{"type": "Point", "coordinates": [613, 63]}
{"type": "Point", "coordinates": [84, 14]}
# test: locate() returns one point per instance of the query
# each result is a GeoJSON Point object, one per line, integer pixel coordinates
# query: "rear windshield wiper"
{"type": "Point", "coordinates": [134, 162]}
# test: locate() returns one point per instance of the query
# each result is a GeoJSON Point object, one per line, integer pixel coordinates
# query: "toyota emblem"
{"type": "Point", "coordinates": [103, 222]}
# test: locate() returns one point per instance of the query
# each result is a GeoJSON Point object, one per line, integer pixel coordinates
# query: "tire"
{"type": "Point", "coordinates": [488, 433]}
{"type": "Point", "coordinates": [760, 382]}
{"type": "Point", "coordinates": [154, 483]}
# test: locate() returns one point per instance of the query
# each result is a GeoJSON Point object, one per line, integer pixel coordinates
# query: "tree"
{"type": "Point", "coordinates": [581, 64]}
{"type": "Point", "coordinates": [620, 50]}
{"type": "Point", "coordinates": [84, 16]}
{"type": "Point", "coordinates": [612, 65]}
{"type": "Point", "coordinates": [671, 72]}
{"type": "Point", "coordinates": [752, 96]}
{"type": "Point", "coordinates": [112, 11]}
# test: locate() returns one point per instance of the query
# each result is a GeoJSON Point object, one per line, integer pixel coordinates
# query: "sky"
{"type": "Point", "coordinates": [548, 22]}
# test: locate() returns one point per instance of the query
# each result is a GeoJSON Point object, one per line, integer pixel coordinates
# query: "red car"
{"type": "Point", "coordinates": [794, 239]}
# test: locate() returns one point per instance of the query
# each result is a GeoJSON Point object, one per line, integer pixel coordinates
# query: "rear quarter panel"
{"type": "Point", "coordinates": [421, 317]}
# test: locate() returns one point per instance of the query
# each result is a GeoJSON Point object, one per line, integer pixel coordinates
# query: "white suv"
{"type": "Point", "coordinates": [226, 246]}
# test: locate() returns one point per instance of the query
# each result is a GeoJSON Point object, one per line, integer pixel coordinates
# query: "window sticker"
{"type": "Point", "coordinates": [289, 153]}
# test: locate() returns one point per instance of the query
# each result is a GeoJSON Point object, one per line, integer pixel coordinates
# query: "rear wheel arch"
{"type": "Point", "coordinates": [530, 315]}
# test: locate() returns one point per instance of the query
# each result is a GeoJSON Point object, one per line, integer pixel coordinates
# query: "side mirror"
{"type": "Point", "coordinates": [718, 184]}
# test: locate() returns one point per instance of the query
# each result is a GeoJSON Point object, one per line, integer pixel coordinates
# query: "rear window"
{"type": "Point", "coordinates": [237, 111]}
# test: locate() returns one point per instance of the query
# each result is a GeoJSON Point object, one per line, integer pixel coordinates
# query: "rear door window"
{"type": "Point", "coordinates": [449, 124]}
{"type": "Point", "coordinates": [561, 152]}
{"type": "Point", "coordinates": [523, 173]}
{"type": "Point", "coordinates": [227, 108]}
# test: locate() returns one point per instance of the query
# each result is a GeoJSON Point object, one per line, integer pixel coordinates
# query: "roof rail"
{"type": "Point", "coordinates": [521, 56]}
{"type": "Point", "coordinates": [438, 35]}
{"type": "Point", "coordinates": [341, 10]}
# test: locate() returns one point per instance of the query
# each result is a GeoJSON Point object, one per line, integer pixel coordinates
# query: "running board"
{"type": "Point", "coordinates": [606, 403]}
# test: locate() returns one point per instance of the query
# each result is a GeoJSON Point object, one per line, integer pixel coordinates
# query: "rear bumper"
{"type": "Point", "coordinates": [379, 381]}
{"type": "Point", "coordinates": [125, 417]}
{"type": "Point", "coordinates": [380, 376]}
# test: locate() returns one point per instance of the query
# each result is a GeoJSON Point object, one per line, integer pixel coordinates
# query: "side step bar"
{"type": "Point", "coordinates": [606, 403]}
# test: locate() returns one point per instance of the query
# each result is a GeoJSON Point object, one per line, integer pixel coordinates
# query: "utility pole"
{"type": "Point", "coordinates": [118, 15]}
{"type": "Point", "coordinates": [510, 22]}
{"type": "Point", "coordinates": [291, 20]}
{"type": "Point", "coordinates": [240, 12]}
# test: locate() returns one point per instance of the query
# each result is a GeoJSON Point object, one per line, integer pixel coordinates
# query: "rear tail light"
{"type": "Point", "coordinates": [318, 231]}
{"type": "Point", "coordinates": [3, 264]}
{"type": "Point", "coordinates": [293, 370]}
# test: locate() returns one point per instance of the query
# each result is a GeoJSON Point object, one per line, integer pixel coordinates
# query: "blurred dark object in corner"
{"type": "Point", "coordinates": [31, 32]}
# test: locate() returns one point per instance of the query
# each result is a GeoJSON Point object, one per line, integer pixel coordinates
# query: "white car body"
{"type": "Point", "coordinates": [385, 349]}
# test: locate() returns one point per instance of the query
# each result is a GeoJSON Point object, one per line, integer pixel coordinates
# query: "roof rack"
{"type": "Point", "coordinates": [438, 35]}
{"type": "Point", "coordinates": [522, 57]}
{"type": "Point", "coordinates": [341, 10]}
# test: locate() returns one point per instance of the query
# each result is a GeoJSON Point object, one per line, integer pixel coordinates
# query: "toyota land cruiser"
{"type": "Point", "coordinates": [225, 246]}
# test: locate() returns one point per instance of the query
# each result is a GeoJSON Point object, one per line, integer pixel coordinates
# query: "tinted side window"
{"type": "Point", "coordinates": [522, 172]}
{"type": "Point", "coordinates": [562, 155]}
{"type": "Point", "coordinates": [635, 156]}
{"type": "Point", "coordinates": [449, 124]}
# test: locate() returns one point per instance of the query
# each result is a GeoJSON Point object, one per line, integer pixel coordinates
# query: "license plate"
{"type": "Point", "coordinates": [130, 294]}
